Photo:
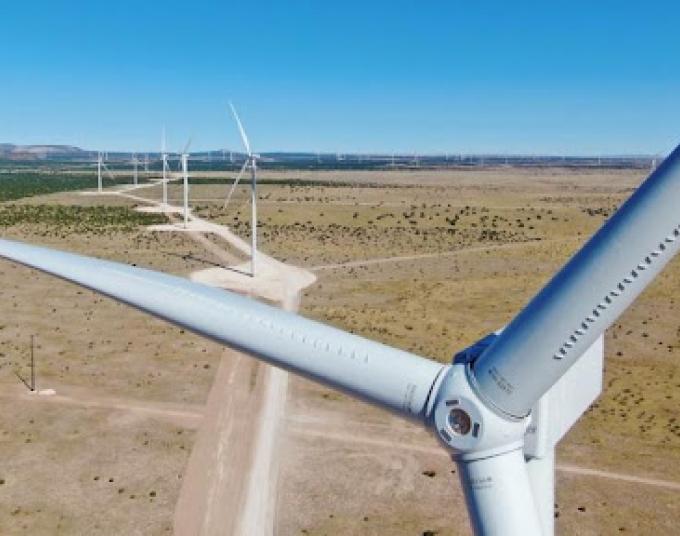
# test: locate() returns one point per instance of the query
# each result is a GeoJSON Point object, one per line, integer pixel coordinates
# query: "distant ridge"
{"type": "Point", "coordinates": [9, 151]}
{"type": "Point", "coordinates": [226, 159]}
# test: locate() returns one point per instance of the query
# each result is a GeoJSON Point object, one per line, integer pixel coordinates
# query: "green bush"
{"type": "Point", "coordinates": [17, 185]}
{"type": "Point", "coordinates": [71, 218]}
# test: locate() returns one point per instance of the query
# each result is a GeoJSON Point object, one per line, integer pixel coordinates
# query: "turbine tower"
{"type": "Point", "coordinates": [185, 175]}
{"type": "Point", "coordinates": [135, 174]}
{"type": "Point", "coordinates": [164, 163]}
{"type": "Point", "coordinates": [500, 407]}
{"type": "Point", "coordinates": [99, 172]}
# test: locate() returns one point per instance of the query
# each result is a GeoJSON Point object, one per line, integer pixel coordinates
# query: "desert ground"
{"type": "Point", "coordinates": [425, 260]}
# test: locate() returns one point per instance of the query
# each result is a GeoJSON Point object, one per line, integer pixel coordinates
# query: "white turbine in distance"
{"type": "Point", "coordinates": [164, 165]}
{"type": "Point", "coordinates": [250, 162]}
{"type": "Point", "coordinates": [503, 404]}
{"type": "Point", "coordinates": [184, 158]}
{"type": "Point", "coordinates": [99, 172]}
{"type": "Point", "coordinates": [135, 174]}
{"type": "Point", "coordinates": [101, 166]}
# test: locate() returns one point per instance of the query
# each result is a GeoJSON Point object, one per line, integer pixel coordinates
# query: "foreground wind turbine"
{"type": "Point", "coordinates": [482, 405]}
{"type": "Point", "coordinates": [251, 161]}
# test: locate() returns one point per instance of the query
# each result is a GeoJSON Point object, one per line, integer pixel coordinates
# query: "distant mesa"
{"type": "Point", "coordinates": [9, 151]}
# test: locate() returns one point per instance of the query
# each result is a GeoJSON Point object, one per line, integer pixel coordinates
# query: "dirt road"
{"type": "Point", "coordinates": [331, 428]}
{"type": "Point", "coordinates": [230, 482]}
{"type": "Point", "coordinates": [406, 258]}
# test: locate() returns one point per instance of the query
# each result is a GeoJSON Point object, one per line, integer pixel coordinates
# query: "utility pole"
{"type": "Point", "coordinates": [33, 363]}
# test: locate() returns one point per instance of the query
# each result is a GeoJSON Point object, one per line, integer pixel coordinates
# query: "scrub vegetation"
{"type": "Point", "coordinates": [76, 219]}
{"type": "Point", "coordinates": [17, 185]}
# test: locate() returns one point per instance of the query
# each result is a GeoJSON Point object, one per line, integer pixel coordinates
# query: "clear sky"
{"type": "Point", "coordinates": [564, 77]}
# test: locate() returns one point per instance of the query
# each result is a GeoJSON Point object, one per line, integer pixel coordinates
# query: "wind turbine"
{"type": "Point", "coordinates": [102, 166]}
{"type": "Point", "coordinates": [251, 161]}
{"type": "Point", "coordinates": [493, 409]}
{"type": "Point", "coordinates": [135, 175]}
{"type": "Point", "coordinates": [164, 163]}
{"type": "Point", "coordinates": [99, 172]}
{"type": "Point", "coordinates": [185, 175]}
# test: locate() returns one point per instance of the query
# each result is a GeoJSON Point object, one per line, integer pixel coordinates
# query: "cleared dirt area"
{"type": "Point", "coordinates": [428, 261]}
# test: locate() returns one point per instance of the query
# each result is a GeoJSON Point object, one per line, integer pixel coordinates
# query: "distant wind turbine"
{"type": "Point", "coordinates": [164, 163]}
{"type": "Point", "coordinates": [251, 161]}
{"type": "Point", "coordinates": [184, 157]}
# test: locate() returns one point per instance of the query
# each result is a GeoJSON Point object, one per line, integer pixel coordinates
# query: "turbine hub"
{"type": "Point", "coordinates": [465, 425]}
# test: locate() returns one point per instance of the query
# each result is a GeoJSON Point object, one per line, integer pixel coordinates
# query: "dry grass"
{"type": "Point", "coordinates": [504, 233]}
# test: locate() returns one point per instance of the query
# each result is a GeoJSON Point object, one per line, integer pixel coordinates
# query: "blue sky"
{"type": "Point", "coordinates": [576, 77]}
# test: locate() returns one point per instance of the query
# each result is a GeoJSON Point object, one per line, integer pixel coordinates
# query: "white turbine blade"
{"type": "Point", "coordinates": [504, 504]}
{"type": "Point", "coordinates": [108, 171]}
{"type": "Point", "coordinates": [235, 183]}
{"type": "Point", "coordinates": [186, 147]}
{"type": "Point", "coordinates": [390, 378]}
{"type": "Point", "coordinates": [163, 141]}
{"type": "Point", "coordinates": [240, 128]}
{"type": "Point", "coordinates": [585, 297]}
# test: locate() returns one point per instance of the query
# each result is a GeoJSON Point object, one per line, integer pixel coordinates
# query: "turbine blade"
{"type": "Point", "coordinates": [585, 297]}
{"type": "Point", "coordinates": [186, 147]}
{"type": "Point", "coordinates": [388, 377]}
{"type": "Point", "coordinates": [244, 138]}
{"type": "Point", "coordinates": [108, 172]}
{"type": "Point", "coordinates": [233, 186]}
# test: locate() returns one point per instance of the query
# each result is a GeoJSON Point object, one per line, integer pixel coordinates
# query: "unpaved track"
{"type": "Point", "coordinates": [212, 499]}
{"type": "Point", "coordinates": [186, 415]}
{"type": "Point", "coordinates": [406, 258]}
{"type": "Point", "coordinates": [621, 477]}
{"type": "Point", "coordinates": [328, 428]}
{"type": "Point", "coordinates": [259, 514]}
{"type": "Point", "coordinates": [230, 484]}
